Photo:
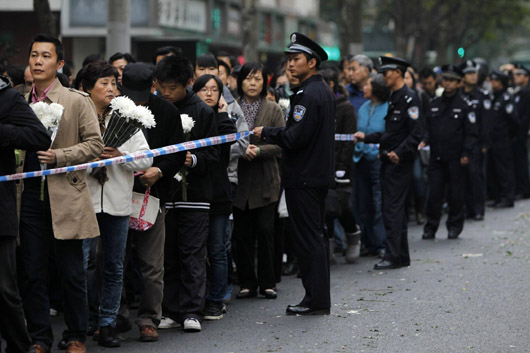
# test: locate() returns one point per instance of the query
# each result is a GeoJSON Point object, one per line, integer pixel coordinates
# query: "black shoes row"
{"type": "Point", "coordinates": [304, 310]}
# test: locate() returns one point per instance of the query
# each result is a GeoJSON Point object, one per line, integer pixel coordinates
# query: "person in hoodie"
{"type": "Point", "coordinates": [111, 190]}
{"type": "Point", "coordinates": [187, 218]}
{"type": "Point", "coordinates": [209, 88]}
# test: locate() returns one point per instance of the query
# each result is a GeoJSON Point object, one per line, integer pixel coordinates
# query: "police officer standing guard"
{"type": "Point", "coordinates": [451, 133]}
{"type": "Point", "coordinates": [308, 170]}
{"type": "Point", "coordinates": [399, 141]}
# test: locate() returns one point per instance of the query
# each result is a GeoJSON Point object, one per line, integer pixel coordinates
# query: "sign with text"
{"type": "Point", "coordinates": [183, 14]}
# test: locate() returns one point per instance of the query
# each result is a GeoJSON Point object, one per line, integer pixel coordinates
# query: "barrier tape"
{"type": "Point", "coordinates": [185, 146]}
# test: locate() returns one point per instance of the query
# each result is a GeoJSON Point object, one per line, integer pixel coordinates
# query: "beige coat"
{"type": "Point", "coordinates": [78, 141]}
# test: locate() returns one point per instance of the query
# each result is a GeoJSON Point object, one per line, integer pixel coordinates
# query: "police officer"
{"type": "Point", "coordinates": [399, 141]}
{"type": "Point", "coordinates": [474, 192]}
{"type": "Point", "coordinates": [521, 77]}
{"type": "Point", "coordinates": [308, 166]}
{"type": "Point", "coordinates": [450, 131]}
{"type": "Point", "coordinates": [503, 126]}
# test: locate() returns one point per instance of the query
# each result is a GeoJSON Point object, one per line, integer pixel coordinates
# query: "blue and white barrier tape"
{"type": "Point", "coordinates": [185, 146]}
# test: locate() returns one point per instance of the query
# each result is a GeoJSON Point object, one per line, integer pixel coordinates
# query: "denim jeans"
{"type": "Point", "coordinates": [367, 203]}
{"type": "Point", "coordinates": [218, 271]}
{"type": "Point", "coordinates": [113, 231]}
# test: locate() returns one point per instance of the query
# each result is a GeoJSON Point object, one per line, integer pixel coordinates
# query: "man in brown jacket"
{"type": "Point", "coordinates": [64, 215]}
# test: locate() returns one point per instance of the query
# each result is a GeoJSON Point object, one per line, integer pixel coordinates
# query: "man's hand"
{"type": "Point", "coordinates": [110, 152]}
{"type": "Point", "coordinates": [251, 152]}
{"type": "Point", "coordinates": [394, 158]}
{"type": "Point", "coordinates": [359, 136]}
{"type": "Point", "coordinates": [47, 157]}
{"type": "Point", "coordinates": [150, 177]}
{"type": "Point", "coordinates": [464, 161]}
{"type": "Point", "coordinates": [421, 145]}
{"type": "Point", "coordinates": [189, 160]}
{"type": "Point", "coordinates": [257, 131]}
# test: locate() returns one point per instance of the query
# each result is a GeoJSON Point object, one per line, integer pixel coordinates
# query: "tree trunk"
{"type": "Point", "coordinates": [351, 27]}
{"type": "Point", "coordinates": [45, 17]}
{"type": "Point", "coordinates": [250, 31]}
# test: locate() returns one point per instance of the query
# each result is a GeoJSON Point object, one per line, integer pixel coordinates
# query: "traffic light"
{"type": "Point", "coordinates": [461, 52]}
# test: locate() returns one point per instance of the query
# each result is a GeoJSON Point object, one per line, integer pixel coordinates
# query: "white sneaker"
{"type": "Point", "coordinates": [192, 324]}
{"type": "Point", "coordinates": [53, 312]}
{"type": "Point", "coordinates": [166, 323]}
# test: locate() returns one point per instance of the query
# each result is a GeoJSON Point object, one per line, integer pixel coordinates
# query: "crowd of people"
{"type": "Point", "coordinates": [287, 200]}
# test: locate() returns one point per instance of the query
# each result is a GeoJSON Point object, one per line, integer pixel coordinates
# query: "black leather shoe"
{"type": "Point", "coordinates": [108, 337]}
{"type": "Point", "coordinates": [504, 204]}
{"type": "Point", "coordinates": [453, 234]}
{"type": "Point", "coordinates": [304, 310]}
{"type": "Point", "coordinates": [479, 217]}
{"type": "Point", "coordinates": [385, 265]}
{"type": "Point", "coordinates": [245, 293]}
{"type": "Point", "coordinates": [62, 344]}
{"type": "Point", "coordinates": [427, 235]}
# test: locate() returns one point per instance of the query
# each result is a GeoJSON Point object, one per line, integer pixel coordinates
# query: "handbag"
{"type": "Point", "coordinates": [145, 210]}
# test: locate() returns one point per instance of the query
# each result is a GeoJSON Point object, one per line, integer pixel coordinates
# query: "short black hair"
{"type": "Point", "coordinates": [309, 57]}
{"type": "Point", "coordinates": [201, 82]}
{"type": "Point", "coordinates": [48, 38]}
{"type": "Point", "coordinates": [95, 71]}
{"type": "Point", "coordinates": [174, 68]}
{"type": "Point", "coordinates": [167, 50]}
{"type": "Point", "coordinates": [206, 60]}
{"type": "Point", "coordinates": [126, 56]}
{"type": "Point", "coordinates": [427, 72]}
{"type": "Point", "coordinates": [67, 68]}
{"type": "Point", "coordinates": [79, 78]}
{"type": "Point", "coordinates": [331, 75]}
{"type": "Point", "coordinates": [250, 68]}
{"type": "Point", "coordinates": [16, 74]}
{"type": "Point", "coordinates": [65, 80]}
{"type": "Point", "coordinates": [92, 58]}
{"type": "Point", "coordinates": [379, 88]}
{"type": "Point", "coordinates": [225, 65]}
{"type": "Point", "coordinates": [274, 93]}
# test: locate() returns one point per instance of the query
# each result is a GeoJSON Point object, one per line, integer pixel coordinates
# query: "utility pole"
{"type": "Point", "coordinates": [250, 31]}
{"type": "Point", "coordinates": [118, 26]}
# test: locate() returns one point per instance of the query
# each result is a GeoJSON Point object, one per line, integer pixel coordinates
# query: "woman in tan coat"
{"type": "Point", "coordinates": [258, 188]}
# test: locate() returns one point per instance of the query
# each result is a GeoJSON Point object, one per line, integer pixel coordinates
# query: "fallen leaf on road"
{"type": "Point", "coordinates": [471, 255]}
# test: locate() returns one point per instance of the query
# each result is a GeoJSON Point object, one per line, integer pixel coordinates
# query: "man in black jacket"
{"type": "Point", "coordinates": [189, 205]}
{"type": "Point", "coordinates": [19, 128]}
{"type": "Point", "coordinates": [451, 133]}
{"type": "Point", "coordinates": [308, 170]}
{"type": "Point", "coordinates": [149, 245]}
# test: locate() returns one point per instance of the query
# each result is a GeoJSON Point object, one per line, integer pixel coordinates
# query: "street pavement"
{"type": "Point", "coordinates": [466, 295]}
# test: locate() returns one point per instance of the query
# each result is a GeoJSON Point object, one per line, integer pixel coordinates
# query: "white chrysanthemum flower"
{"type": "Point", "coordinates": [124, 105]}
{"type": "Point", "coordinates": [178, 176]}
{"type": "Point", "coordinates": [284, 103]}
{"type": "Point", "coordinates": [187, 122]}
{"type": "Point", "coordinates": [49, 114]}
{"type": "Point", "coordinates": [144, 116]}
{"type": "Point", "coordinates": [56, 110]}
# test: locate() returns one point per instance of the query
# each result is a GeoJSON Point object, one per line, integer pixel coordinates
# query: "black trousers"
{"type": "Point", "coordinates": [450, 176]}
{"type": "Point", "coordinates": [307, 214]}
{"type": "Point", "coordinates": [395, 182]}
{"type": "Point", "coordinates": [474, 189]}
{"type": "Point", "coordinates": [251, 226]}
{"type": "Point", "coordinates": [185, 263]}
{"type": "Point", "coordinates": [502, 168]}
{"type": "Point", "coordinates": [12, 324]}
{"type": "Point", "coordinates": [36, 240]}
{"type": "Point", "coordinates": [522, 178]}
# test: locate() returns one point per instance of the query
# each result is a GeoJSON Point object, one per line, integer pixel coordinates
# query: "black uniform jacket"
{"type": "Point", "coordinates": [307, 140]}
{"type": "Point", "coordinates": [345, 123]}
{"type": "Point", "coordinates": [19, 128]}
{"type": "Point", "coordinates": [477, 97]}
{"type": "Point", "coordinates": [503, 122]}
{"type": "Point", "coordinates": [522, 102]}
{"type": "Point", "coordinates": [451, 127]}
{"type": "Point", "coordinates": [403, 125]}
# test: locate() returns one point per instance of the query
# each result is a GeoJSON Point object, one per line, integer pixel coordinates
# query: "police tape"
{"type": "Point", "coordinates": [351, 137]}
{"type": "Point", "coordinates": [185, 146]}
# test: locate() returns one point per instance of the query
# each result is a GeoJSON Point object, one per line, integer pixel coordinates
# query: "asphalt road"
{"type": "Point", "coordinates": [465, 295]}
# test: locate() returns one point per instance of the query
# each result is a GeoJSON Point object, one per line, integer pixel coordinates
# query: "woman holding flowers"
{"type": "Point", "coordinates": [258, 188]}
{"type": "Point", "coordinates": [111, 190]}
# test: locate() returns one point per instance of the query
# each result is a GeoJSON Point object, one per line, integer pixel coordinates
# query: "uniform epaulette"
{"type": "Point", "coordinates": [78, 91]}
{"type": "Point", "coordinates": [408, 99]}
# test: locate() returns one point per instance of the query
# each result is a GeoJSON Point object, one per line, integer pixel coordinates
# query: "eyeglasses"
{"type": "Point", "coordinates": [212, 90]}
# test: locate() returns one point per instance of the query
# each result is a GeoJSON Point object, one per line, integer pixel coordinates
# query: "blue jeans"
{"type": "Point", "coordinates": [113, 231]}
{"type": "Point", "coordinates": [218, 271]}
{"type": "Point", "coordinates": [367, 203]}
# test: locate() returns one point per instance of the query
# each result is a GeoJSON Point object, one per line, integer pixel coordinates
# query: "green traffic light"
{"type": "Point", "coordinates": [461, 52]}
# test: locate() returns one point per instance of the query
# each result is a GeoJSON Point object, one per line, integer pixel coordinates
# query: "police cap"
{"type": "Point", "coordinates": [452, 72]}
{"type": "Point", "coordinates": [303, 44]}
{"type": "Point", "coordinates": [392, 63]}
{"type": "Point", "coordinates": [469, 66]}
{"type": "Point", "coordinates": [500, 76]}
{"type": "Point", "coordinates": [521, 68]}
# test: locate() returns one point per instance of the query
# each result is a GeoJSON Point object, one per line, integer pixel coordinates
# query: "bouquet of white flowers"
{"type": "Point", "coordinates": [187, 124]}
{"type": "Point", "coordinates": [50, 116]}
{"type": "Point", "coordinates": [126, 120]}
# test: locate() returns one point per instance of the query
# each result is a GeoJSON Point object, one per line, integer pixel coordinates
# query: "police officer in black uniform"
{"type": "Point", "coordinates": [308, 167]}
{"type": "Point", "coordinates": [503, 128]}
{"type": "Point", "coordinates": [480, 101]}
{"type": "Point", "coordinates": [451, 133]}
{"type": "Point", "coordinates": [403, 132]}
